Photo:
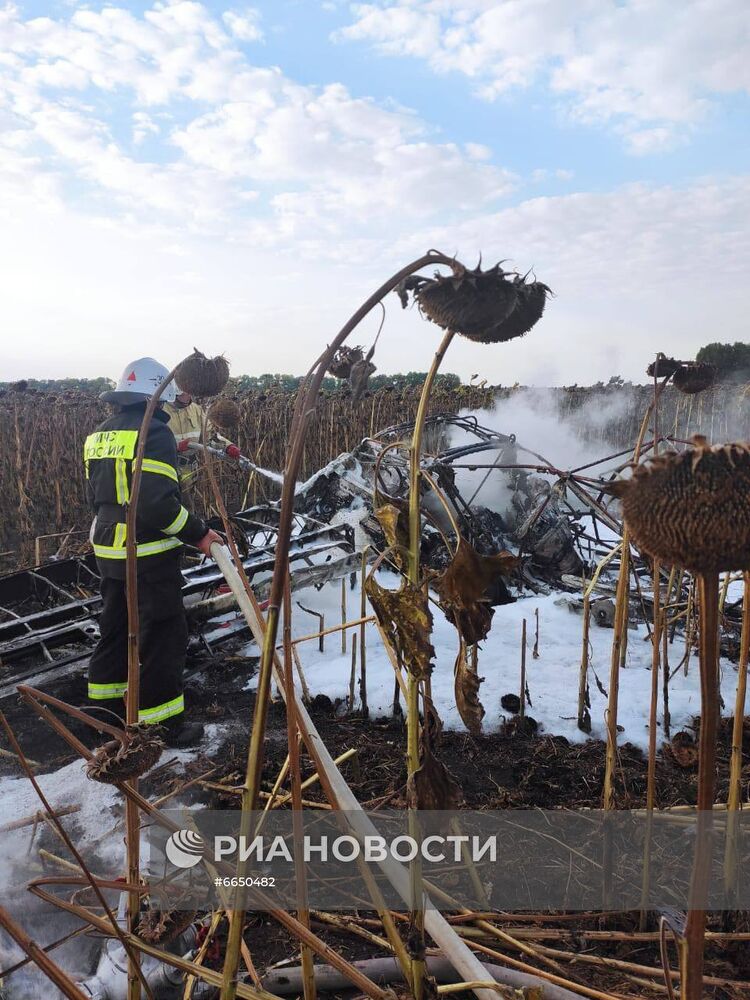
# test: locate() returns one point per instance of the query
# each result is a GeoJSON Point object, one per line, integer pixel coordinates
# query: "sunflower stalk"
{"type": "Point", "coordinates": [412, 682]}
{"type": "Point", "coordinates": [295, 776]}
{"type": "Point", "coordinates": [654, 703]}
{"type": "Point", "coordinates": [132, 695]}
{"type": "Point", "coordinates": [301, 420]}
{"type": "Point", "coordinates": [620, 624]}
{"type": "Point", "coordinates": [692, 956]}
{"type": "Point", "coordinates": [735, 766]}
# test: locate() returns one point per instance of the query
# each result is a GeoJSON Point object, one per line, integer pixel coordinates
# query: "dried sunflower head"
{"type": "Point", "coordinates": [129, 757]}
{"type": "Point", "coordinates": [201, 376]}
{"type": "Point", "coordinates": [224, 413]}
{"type": "Point", "coordinates": [344, 359]}
{"type": "Point", "coordinates": [663, 367]}
{"type": "Point", "coordinates": [694, 376]}
{"type": "Point", "coordinates": [692, 509]}
{"type": "Point", "coordinates": [485, 306]}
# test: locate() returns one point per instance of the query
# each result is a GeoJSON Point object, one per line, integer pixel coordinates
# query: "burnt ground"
{"type": "Point", "coordinates": [512, 768]}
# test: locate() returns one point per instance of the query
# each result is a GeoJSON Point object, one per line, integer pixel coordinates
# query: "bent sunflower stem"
{"type": "Point", "coordinates": [301, 419]}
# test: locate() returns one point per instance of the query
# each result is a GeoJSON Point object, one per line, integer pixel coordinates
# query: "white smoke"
{"type": "Point", "coordinates": [533, 415]}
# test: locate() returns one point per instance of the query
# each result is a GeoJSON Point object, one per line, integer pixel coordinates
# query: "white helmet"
{"type": "Point", "coordinates": [138, 382]}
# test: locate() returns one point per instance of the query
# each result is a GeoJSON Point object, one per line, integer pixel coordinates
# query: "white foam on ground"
{"type": "Point", "coordinates": [552, 678]}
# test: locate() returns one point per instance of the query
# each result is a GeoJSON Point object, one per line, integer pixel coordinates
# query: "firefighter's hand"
{"type": "Point", "coordinates": [184, 445]}
{"type": "Point", "coordinates": [208, 540]}
{"type": "Point", "coordinates": [233, 451]}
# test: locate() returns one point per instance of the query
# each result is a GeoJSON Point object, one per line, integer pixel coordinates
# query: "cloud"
{"type": "Point", "coordinates": [245, 26]}
{"type": "Point", "coordinates": [635, 270]}
{"type": "Point", "coordinates": [233, 147]}
{"type": "Point", "coordinates": [650, 69]}
{"type": "Point", "coordinates": [157, 184]}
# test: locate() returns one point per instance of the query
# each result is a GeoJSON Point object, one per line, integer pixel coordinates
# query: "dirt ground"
{"type": "Point", "coordinates": [513, 768]}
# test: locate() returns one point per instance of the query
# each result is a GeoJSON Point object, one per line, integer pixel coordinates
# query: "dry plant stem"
{"type": "Point", "coordinates": [361, 982]}
{"type": "Point", "coordinates": [691, 982]}
{"type": "Point", "coordinates": [61, 832]}
{"type": "Point", "coordinates": [191, 981]}
{"type": "Point", "coordinates": [353, 673]}
{"type": "Point", "coordinates": [343, 614]}
{"type": "Point", "coordinates": [584, 719]}
{"type": "Point", "coordinates": [186, 966]}
{"type": "Point", "coordinates": [39, 957]}
{"type": "Point", "coordinates": [491, 929]}
{"type": "Point", "coordinates": [654, 705]}
{"type": "Point", "coordinates": [303, 910]}
{"type": "Point", "coordinates": [132, 822]}
{"type": "Point", "coordinates": [522, 709]}
{"type": "Point", "coordinates": [363, 639]}
{"type": "Point", "coordinates": [236, 915]}
{"type": "Point", "coordinates": [342, 798]}
{"type": "Point", "coordinates": [620, 624]}
{"type": "Point", "coordinates": [4, 973]}
{"type": "Point", "coordinates": [400, 685]}
{"type": "Point", "coordinates": [412, 683]}
{"type": "Point", "coordinates": [549, 977]}
{"type": "Point", "coordinates": [301, 674]}
{"type": "Point", "coordinates": [735, 766]}
{"type": "Point", "coordinates": [652, 721]}
{"type": "Point", "coordinates": [303, 412]}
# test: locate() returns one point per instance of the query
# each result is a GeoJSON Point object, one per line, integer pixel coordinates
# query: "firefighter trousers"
{"type": "Point", "coordinates": [162, 645]}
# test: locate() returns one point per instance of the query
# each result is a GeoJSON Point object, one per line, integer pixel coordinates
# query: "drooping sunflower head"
{"type": "Point", "coordinates": [201, 376]}
{"type": "Point", "coordinates": [489, 306]}
{"type": "Point", "coordinates": [692, 508]}
{"type": "Point", "coordinates": [694, 376]}
{"type": "Point", "coordinates": [224, 413]}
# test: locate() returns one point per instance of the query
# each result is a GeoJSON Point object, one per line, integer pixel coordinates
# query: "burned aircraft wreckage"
{"type": "Point", "coordinates": [48, 614]}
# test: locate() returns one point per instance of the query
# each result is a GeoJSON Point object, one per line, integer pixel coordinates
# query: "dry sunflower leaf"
{"type": "Point", "coordinates": [432, 786]}
{"type": "Point", "coordinates": [466, 684]}
{"type": "Point", "coordinates": [463, 585]}
{"type": "Point", "coordinates": [406, 619]}
{"type": "Point", "coordinates": [163, 926]}
{"type": "Point", "coordinates": [359, 377]}
{"type": "Point", "coordinates": [394, 520]}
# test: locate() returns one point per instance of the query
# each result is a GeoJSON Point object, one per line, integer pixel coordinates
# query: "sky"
{"type": "Point", "coordinates": [240, 178]}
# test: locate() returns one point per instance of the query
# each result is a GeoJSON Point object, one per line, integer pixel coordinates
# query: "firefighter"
{"type": "Point", "coordinates": [186, 420]}
{"type": "Point", "coordinates": [163, 524]}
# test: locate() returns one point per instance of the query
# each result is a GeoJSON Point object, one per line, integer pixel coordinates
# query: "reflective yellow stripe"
{"type": "Point", "coordinates": [161, 468]}
{"type": "Point", "coordinates": [110, 444]}
{"type": "Point", "coordinates": [122, 492]}
{"type": "Point", "coordinates": [100, 692]}
{"type": "Point", "coordinates": [178, 524]}
{"type": "Point", "coordinates": [162, 712]}
{"type": "Point", "coordinates": [144, 549]}
{"type": "Point", "coordinates": [121, 533]}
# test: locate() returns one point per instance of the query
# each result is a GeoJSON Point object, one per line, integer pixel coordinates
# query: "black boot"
{"type": "Point", "coordinates": [177, 732]}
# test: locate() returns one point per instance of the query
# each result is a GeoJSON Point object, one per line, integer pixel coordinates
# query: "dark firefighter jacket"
{"type": "Point", "coordinates": [162, 522]}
